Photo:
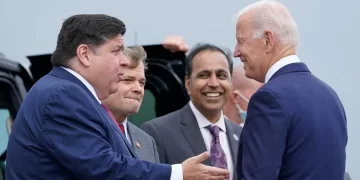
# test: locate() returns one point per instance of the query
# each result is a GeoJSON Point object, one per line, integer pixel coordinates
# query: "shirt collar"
{"type": "Point", "coordinates": [125, 122]}
{"type": "Point", "coordinates": [84, 81]}
{"type": "Point", "coordinates": [203, 122]}
{"type": "Point", "coordinates": [281, 63]}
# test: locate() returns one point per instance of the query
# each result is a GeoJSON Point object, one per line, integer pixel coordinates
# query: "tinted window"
{"type": "Point", "coordinates": [4, 115]}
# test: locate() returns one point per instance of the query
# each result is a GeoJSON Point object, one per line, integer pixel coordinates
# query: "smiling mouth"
{"type": "Point", "coordinates": [118, 78]}
{"type": "Point", "coordinates": [213, 95]}
{"type": "Point", "coordinates": [133, 99]}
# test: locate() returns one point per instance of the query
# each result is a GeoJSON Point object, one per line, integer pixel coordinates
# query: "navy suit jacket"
{"type": "Point", "coordinates": [295, 129]}
{"type": "Point", "coordinates": [62, 132]}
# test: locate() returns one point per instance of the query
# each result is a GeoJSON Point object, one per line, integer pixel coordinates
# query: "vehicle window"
{"type": "Point", "coordinates": [8, 106]}
{"type": "Point", "coordinates": [147, 110]}
{"type": "Point", "coordinates": [4, 116]}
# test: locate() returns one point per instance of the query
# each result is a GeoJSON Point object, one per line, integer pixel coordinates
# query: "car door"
{"type": "Point", "coordinates": [14, 83]}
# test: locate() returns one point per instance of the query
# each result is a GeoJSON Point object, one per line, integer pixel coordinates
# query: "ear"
{"type": "Point", "coordinates": [269, 41]}
{"type": "Point", "coordinates": [234, 96]}
{"type": "Point", "coordinates": [187, 85]}
{"type": "Point", "coordinates": [82, 53]}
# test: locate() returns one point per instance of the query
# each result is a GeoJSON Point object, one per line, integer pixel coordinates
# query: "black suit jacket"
{"type": "Point", "coordinates": [178, 137]}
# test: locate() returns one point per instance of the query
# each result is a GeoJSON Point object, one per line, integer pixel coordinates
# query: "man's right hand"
{"type": "Point", "coordinates": [194, 170]}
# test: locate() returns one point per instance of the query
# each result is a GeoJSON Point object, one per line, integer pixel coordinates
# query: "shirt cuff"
{"type": "Point", "coordinates": [176, 172]}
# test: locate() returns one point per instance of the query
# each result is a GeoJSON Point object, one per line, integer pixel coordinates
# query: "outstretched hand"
{"type": "Point", "coordinates": [194, 170]}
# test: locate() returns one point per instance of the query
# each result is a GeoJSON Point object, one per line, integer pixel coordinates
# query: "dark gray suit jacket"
{"type": "Point", "coordinates": [143, 144]}
{"type": "Point", "coordinates": [178, 137]}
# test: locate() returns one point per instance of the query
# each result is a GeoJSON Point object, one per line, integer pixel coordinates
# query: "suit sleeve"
{"type": "Point", "coordinates": [74, 134]}
{"type": "Point", "coordinates": [177, 171]}
{"type": "Point", "coordinates": [150, 129]}
{"type": "Point", "coordinates": [263, 138]}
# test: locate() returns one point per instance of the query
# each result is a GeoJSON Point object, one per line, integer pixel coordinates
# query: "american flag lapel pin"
{"type": "Point", "coordinates": [235, 137]}
{"type": "Point", "coordinates": [137, 144]}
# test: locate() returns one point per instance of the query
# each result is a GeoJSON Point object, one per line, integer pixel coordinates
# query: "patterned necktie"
{"type": "Point", "coordinates": [217, 155]}
{"type": "Point", "coordinates": [121, 126]}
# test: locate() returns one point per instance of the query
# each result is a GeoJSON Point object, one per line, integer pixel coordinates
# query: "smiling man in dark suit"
{"type": "Point", "coordinates": [62, 131]}
{"type": "Point", "coordinates": [127, 101]}
{"type": "Point", "coordinates": [296, 124]}
{"type": "Point", "coordinates": [200, 125]}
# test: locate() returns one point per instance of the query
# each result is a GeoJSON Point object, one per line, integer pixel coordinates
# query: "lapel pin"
{"type": "Point", "coordinates": [235, 137]}
{"type": "Point", "coordinates": [137, 144]}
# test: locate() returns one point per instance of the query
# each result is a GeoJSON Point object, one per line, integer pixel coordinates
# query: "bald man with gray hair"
{"type": "Point", "coordinates": [243, 88]}
{"type": "Point", "coordinates": [296, 125]}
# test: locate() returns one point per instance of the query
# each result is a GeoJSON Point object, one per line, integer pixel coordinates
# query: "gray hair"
{"type": "Point", "coordinates": [136, 55]}
{"type": "Point", "coordinates": [269, 15]}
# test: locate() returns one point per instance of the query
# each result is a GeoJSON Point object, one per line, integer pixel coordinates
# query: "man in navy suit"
{"type": "Point", "coordinates": [296, 124]}
{"type": "Point", "coordinates": [62, 131]}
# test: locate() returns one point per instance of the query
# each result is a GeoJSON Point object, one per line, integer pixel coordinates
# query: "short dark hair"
{"type": "Point", "coordinates": [206, 47]}
{"type": "Point", "coordinates": [90, 29]}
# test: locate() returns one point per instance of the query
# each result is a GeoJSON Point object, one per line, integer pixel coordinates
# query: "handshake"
{"type": "Point", "coordinates": [193, 169]}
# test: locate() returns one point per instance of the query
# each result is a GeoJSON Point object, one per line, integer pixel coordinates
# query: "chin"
{"type": "Point", "coordinates": [132, 111]}
{"type": "Point", "coordinates": [213, 107]}
{"type": "Point", "coordinates": [132, 108]}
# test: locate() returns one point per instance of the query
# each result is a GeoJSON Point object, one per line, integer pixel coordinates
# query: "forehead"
{"type": "Point", "coordinates": [243, 25]}
{"type": "Point", "coordinates": [115, 41]}
{"type": "Point", "coordinates": [209, 60]}
{"type": "Point", "coordinates": [138, 72]}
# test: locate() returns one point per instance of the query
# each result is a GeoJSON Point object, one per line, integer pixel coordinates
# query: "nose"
{"type": "Point", "coordinates": [236, 51]}
{"type": "Point", "coordinates": [213, 81]}
{"type": "Point", "coordinates": [137, 88]}
{"type": "Point", "coordinates": [123, 60]}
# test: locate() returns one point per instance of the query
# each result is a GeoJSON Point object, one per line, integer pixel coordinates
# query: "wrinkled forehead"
{"type": "Point", "coordinates": [137, 72]}
{"type": "Point", "coordinates": [243, 25]}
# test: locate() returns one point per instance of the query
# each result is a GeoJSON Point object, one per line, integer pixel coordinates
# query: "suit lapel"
{"type": "Point", "coordinates": [233, 140]}
{"type": "Point", "coordinates": [113, 125]}
{"type": "Point", "coordinates": [62, 73]}
{"type": "Point", "coordinates": [133, 137]}
{"type": "Point", "coordinates": [190, 129]}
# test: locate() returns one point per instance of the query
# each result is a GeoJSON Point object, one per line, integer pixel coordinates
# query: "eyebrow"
{"type": "Point", "coordinates": [240, 38]}
{"type": "Point", "coordinates": [216, 71]}
{"type": "Point", "coordinates": [132, 77]}
{"type": "Point", "coordinates": [122, 47]}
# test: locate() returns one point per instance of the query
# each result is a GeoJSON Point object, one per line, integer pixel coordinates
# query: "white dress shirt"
{"type": "Point", "coordinates": [281, 63]}
{"type": "Point", "coordinates": [203, 123]}
{"type": "Point", "coordinates": [176, 169]}
{"type": "Point", "coordinates": [126, 131]}
{"type": "Point", "coordinates": [242, 124]}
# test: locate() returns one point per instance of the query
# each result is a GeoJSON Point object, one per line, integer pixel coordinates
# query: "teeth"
{"type": "Point", "coordinates": [212, 94]}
